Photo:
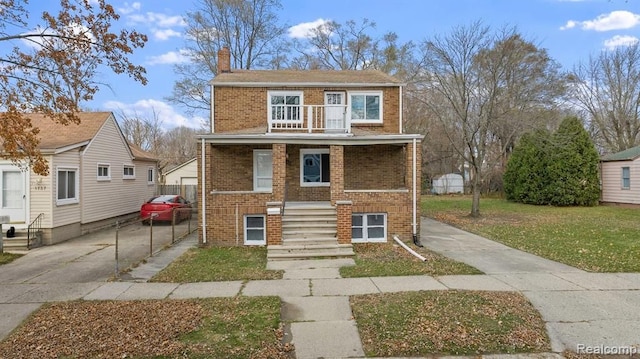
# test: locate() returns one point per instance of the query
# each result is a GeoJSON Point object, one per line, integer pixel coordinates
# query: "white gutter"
{"type": "Point", "coordinates": [304, 84]}
{"type": "Point", "coordinates": [204, 196]}
{"type": "Point", "coordinates": [305, 138]}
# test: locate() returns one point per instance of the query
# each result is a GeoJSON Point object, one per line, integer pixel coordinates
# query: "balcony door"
{"type": "Point", "coordinates": [334, 110]}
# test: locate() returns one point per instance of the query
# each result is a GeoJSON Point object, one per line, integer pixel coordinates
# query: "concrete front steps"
{"type": "Point", "coordinates": [309, 230]}
{"type": "Point", "coordinates": [17, 244]}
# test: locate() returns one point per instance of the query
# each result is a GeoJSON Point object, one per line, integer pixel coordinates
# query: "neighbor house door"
{"type": "Point", "coordinates": [12, 195]}
{"type": "Point", "coordinates": [334, 110]}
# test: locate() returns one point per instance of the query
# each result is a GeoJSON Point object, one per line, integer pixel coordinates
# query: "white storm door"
{"type": "Point", "coordinates": [13, 196]}
{"type": "Point", "coordinates": [334, 110]}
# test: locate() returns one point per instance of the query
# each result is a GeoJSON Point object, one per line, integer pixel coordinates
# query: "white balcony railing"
{"type": "Point", "coordinates": [310, 118]}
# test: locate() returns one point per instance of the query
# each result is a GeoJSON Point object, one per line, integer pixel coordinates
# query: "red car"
{"type": "Point", "coordinates": [162, 208]}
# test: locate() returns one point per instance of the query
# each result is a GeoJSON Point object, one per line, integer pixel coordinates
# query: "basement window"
{"type": "Point", "coordinates": [255, 230]}
{"type": "Point", "coordinates": [368, 227]}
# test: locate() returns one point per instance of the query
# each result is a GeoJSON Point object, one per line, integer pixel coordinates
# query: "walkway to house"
{"type": "Point", "coordinates": [581, 309]}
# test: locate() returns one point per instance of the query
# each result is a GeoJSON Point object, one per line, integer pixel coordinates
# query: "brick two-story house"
{"type": "Point", "coordinates": [306, 159]}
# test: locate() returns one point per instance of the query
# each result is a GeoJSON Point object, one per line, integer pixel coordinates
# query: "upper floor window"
{"type": "Point", "coordinates": [626, 178]}
{"type": "Point", "coordinates": [104, 172]}
{"type": "Point", "coordinates": [285, 105]}
{"type": "Point", "coordinates": [365, 106]}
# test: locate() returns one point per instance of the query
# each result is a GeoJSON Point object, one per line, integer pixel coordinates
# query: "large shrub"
{"type": "Point", "coordinates": [559, 169]}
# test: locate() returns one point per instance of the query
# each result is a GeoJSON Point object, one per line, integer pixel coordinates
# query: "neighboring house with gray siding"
{"type": "Point", "coordinates": [620, 177]}
{"type": "Point", "coordinates": [95, 176]}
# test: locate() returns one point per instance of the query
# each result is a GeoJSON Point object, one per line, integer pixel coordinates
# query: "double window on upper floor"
{"type": "Point", "coordinates": [287, 110]}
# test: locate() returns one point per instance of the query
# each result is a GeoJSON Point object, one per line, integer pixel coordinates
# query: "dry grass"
{"type": "Point", "coordinates": [208, 328]}
{"type": "Point", "coordinates": [389, 259]}
{"type": "Point", "coordinates": [448, 323]}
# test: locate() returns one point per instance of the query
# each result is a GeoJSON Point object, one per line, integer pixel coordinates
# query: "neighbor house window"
{"type": "Point", "coordinates": [285, 106]}
{"type": "Point", "coordinates": [262, 170]}
{"type": "Point", "coordinates": [104, 172]}
{"type": "Point", "coordinates": [369, 227]}
{"type": "Point", "coordinates": [151, 175]}
{"type": "Point", "coordinates": [67, 183]}
{"type": "Point", "coordinates": [626, 178]}
{"type": "Point", "coordinates": [255, 233]}
{"type": "Point", "coordinates": [128, 172]}
{"type": "Point", "coordinates": [365, 107]}
{"type": "Point", "coordinates": [315, 169]}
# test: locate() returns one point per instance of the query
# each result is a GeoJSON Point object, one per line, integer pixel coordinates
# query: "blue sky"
{"type": "Point", "coordinates": [570, 30]}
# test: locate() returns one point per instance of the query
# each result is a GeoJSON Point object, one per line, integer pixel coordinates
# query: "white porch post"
{"type": "Point", "coordinates": [203, 196]}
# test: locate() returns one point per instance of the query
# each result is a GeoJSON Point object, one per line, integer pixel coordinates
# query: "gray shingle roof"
{"type": "Point", "coordinates": [626, 155]}
{"type": "Point", "coordinates": [307, 77]}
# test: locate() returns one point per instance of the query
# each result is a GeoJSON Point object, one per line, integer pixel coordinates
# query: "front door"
{"type": "Point", "coordinates": [12, 194]}
{"type": "Point", "coordinates": [334, 110]}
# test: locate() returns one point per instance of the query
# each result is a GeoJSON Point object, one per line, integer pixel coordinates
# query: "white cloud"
{"type": "Point", "coordinates": [129, 8]}
{"type": "Point", "coordinates": [620, 40]}
{"type": "Point", "coordinates": [615, 20]}
{"type": "Point", "coordinates": [158, 19]}
{"type": "Point", "coordinates": [303, 30]}
{"type": "Point", "coordinates": [169, 58]}
{"type": "Point", "coordinates": [147, 108]}
{"type": "Point", "coordinates": [165, 34]}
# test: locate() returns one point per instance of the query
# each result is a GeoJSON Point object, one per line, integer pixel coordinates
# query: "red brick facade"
{"type": "Point", "coordinates": [365, 177]}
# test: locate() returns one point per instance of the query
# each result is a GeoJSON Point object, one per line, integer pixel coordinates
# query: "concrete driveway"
{"type": "Point", "coordinates": [91, 257]}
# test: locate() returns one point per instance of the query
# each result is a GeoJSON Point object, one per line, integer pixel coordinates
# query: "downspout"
{"type": "Point", "coordinates": [204, 196]}
{"type": "Point", "coordinates": [211, 115]}
{"type": "Point", "coordinates": [415, 197]}
{"type": "Point", "coordinates": [401, 111]}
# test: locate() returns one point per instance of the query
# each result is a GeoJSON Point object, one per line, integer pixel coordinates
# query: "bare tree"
{"type": "Point", "coordinates": [607, 88]}
{"type": "Point", "coordinates": [52, 69]}
{"type": "Point", "coordinates": [481, 85]}
{"type": "Point", "coordinates": [249, 28]}
{"type": "Point", "coordinates": [145, 133]}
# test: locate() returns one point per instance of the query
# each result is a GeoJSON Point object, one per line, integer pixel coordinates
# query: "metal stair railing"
{"type": "Point", "coordinates": [34, 231]}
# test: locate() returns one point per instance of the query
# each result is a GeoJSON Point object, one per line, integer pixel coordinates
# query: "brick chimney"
{"type": "Point", "coordinates": [224, 60]}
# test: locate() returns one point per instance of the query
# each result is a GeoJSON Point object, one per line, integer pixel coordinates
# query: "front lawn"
{"type": "Point", "coordinates": [448, 323]}
{"type": "Point", "coordinates": [388, 259]}
{"type": "Point", "coordinates": [8, 257]}
{"type": "Point", "coordinates": [238, 327]}
{"type": "Point", "coordinates": [219, 264]}
{"type": "Point", "coordinates": [596, 239]}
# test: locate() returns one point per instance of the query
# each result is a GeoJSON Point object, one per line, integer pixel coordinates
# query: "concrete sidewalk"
{"type": "Point", "coordinates": [579, 308]}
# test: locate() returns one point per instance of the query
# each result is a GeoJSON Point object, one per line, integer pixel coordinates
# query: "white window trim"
{"type": "Point", "coordinates": [153, 171]}
{"type": "Point", "coordinates": [622, 186]}
{"type": "Point", "coordinates": [306, 151]}
{"type": "Point", "coordinates": [365, 237]}
{"type": "Point", "coordinates": [285, 93]}
{"type": "Point", "coordinates": [255, 172]}
{"type": "Point", "coordinates": [103, 178]}
{"type": "Point", "coordinates": [364, 93]}
{"type": "Point", "coordinates": [76, 198]}
{"type": "Point", "coordinates": [125, 176]}
{"type": "Point", "coordinates": [264, 230]}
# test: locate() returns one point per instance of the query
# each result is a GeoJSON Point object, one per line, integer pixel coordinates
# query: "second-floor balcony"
{"type": "Point", "coordinates": [309, 118]}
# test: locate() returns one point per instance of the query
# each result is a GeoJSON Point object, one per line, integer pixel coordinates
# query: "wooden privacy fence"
{"type": "Point", "coordinates": [189, 192]}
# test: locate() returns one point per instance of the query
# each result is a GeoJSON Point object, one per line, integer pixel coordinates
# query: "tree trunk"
{"type": "Point", "coordinates": [475, 191]}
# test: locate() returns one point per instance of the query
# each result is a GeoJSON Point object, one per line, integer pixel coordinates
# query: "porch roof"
{"type": "Point", "coordinates": [345, 139]}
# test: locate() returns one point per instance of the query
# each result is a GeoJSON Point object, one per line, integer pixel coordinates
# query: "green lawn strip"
{"type": "Point", "coordinates": [388, 259]}
{"type": "Point", "coordinates": [240, 327]}
{"type": "Point", "coordinates": [8, 257]}
{"type": "Point", "coordinates": [219, 264]}
{"type": "Point", "coordinates": [448, 323]}
{"type": "Point", "coordinates": [597, 239]}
